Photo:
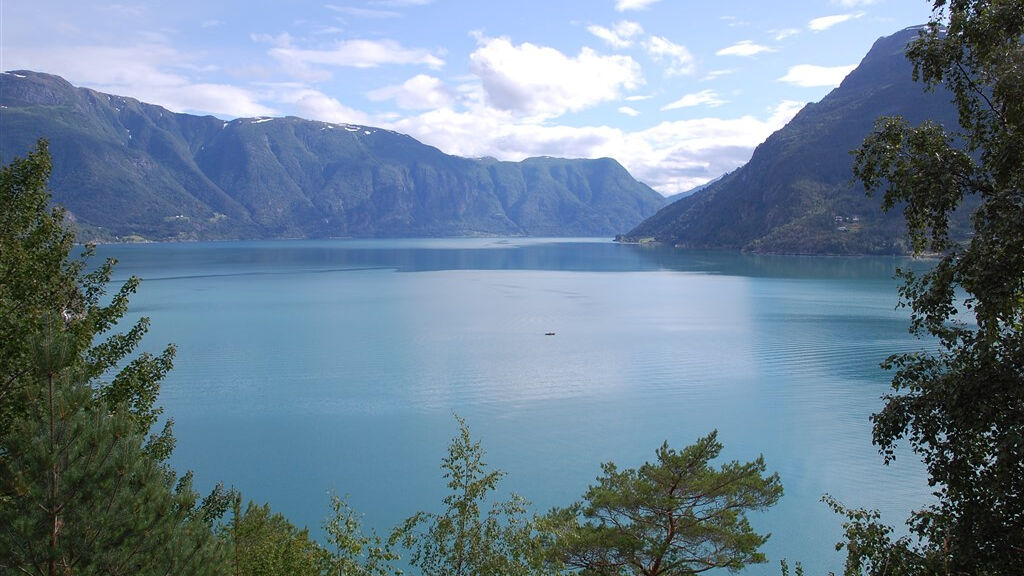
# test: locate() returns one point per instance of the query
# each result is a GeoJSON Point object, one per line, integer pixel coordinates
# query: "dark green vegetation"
{"type": "Point", "coordinates": [127, 169]}
{"type": "Point", "coordinates": [678, 515]}
{"type": "Point", "coordinates": [796, 194]}
{"type": "Point", "coordinates": [464, 540]}
{"type": "Point", "coordinates": [83, 490]}
{"type": "Point", "coordinates": [86, 489]}
{"type": "Point", "coordinates": [962, 408]}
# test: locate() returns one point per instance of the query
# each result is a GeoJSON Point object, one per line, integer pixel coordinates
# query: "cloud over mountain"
{"type": "Point", "coordinates": [539, 81]}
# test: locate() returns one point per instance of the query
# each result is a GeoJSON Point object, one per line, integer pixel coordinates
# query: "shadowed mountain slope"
{"type": "Point", "coordinates": [797, 194]}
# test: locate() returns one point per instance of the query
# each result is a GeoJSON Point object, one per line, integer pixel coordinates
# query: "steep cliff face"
{"type": "Point", "coordinates": [124, 168]}
{"type": "Point", "coordinates": [796, 195]}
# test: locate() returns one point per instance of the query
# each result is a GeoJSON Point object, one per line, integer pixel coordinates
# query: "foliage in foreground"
{"type": "Point", "coordinates": [676, 516]}
{"type": "Point", "coordinates": [463, 540]}
{"type": "Point", "coordinates": [961, 408]}
{"type": "Point", "coordinates": [83, 490]}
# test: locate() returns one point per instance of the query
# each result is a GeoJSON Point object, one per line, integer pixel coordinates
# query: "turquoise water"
{"type": "Point", "coordinates": [306, 367]}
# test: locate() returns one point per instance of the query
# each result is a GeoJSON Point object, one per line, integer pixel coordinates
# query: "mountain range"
{"type": "Point", "coordinates": [126, 169]}
{"type": "Point", "coordinates": [797, 195]}
{"type": "Point", "coordinates": [129, 170]}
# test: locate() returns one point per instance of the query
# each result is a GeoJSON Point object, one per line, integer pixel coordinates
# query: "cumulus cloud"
{"type": "Point", "coordinates": [744, 48]}
{"type": "Point", "coordinates": [676, 58]}
{"type": "Point", "coordinates": [316, 105]}
{"type": "Point", "coordinates": [541, 82]}
{"type": "Point", "coordinates": [826, 22]}
{"type": "Point", "coordinates": [629, 111]}
{"type": "Point", "coordinates": [618, 36]}
{"type": "Point", "coordinates": [784, 112]}
{"type": "Point", "coordinates": [421, 92]}
{"type": "Point", "coordinates": [808, 75]}
{"type": "Point", "coordinates": [671, 157]}
{"type": "Point", "coordinates": [624, 5]}
{"type": "Point", "coordinates": [702, 98]}
{"type": "Point", "coordinates": [210, 99]}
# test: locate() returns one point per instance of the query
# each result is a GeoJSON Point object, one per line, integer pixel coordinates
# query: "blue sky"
{"type": "Point", "coordinates": [678, 91]}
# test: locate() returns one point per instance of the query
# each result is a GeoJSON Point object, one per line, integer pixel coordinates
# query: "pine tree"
{"type": "Point", "coordinates": [676, 516]}
{"type": "Point", "coordinates": [83, 490]}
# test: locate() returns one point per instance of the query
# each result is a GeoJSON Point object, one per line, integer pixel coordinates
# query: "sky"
{"type": "Point", "coordinates": [678, 91]}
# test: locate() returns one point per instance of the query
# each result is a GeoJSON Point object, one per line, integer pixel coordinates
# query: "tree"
{"type": "Point", "coordinates": [962, 407]}
{"type": "Point", "coordinates": [463, 540]}
{"type": "Point", "coordinates": [872, 549]}
{"type": "Point", "coordinates": [678, 515]}
{"type": "Point", "coordinates": [82, 494]}
{"type": "Point", "coordinates": [265, 543]}
{"type": "Point", "coordinates": [38, 278]}
{"type": "Point", "coordinates": [82, 488]}
{"type": "Point", "coordinates": [355, 554]}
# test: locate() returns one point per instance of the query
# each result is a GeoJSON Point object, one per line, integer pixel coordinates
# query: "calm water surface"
{"type": "Point", "coordinates": [306, 367]}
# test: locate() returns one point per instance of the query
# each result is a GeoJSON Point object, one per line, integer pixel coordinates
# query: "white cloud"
{"type": "Point", "coordinates": [618, 36]}
{"type": "Point", "coordinates": [826, 22]}
{"type": "Point", "coordinates": [808, 75]}
{"type": "Point", "coordinates": [715, 74]}
{"type": "Point", "coordinates": [671, 156]}
{"type": "Point", "coordinates": [210, 99]}
{"type": "Point", "coordinates": [702, 98]}
{"type": "Point", "coordinates": [744, 48]}
{"type": "Point", "coordinates": [541, 82]}
{"type": "Point", "coordinates": [628, 111]}
{"type": "Point", "coordinates": [676, 57]}
{"type": "Point", "coordinates": [146, 72]}
{"type": "Point", "coordinates": [316, 105]}
{"type": "Point", "coordinates": [785, 33]}
{"type": "Point", "coordinates": [624, 5]}
{"type": "Point", "coordinates": [421, 92]}
{"type": "Point", "coordinates": [350, 53]}
{"type": "Point", "coordinates": [785, 112]}
{"type": "Point", "coordinates": [283, 40]}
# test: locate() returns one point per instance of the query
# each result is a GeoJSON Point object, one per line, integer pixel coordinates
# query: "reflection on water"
{"type": "Point", "coordinates": [309, 366]}
{"type": "Point", "coordinates": [413, 255]}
